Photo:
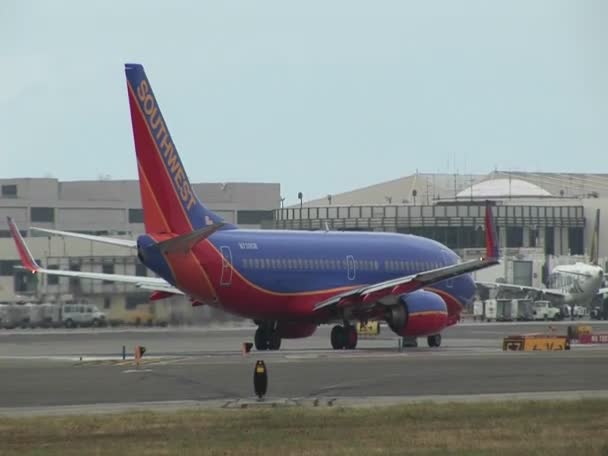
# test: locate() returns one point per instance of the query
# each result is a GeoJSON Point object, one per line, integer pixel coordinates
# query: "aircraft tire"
{"type": "Point", "coordinates": [260, 340]}
{"type": "Point", "coordinates": [351, 337]}
{"type": "Point", "coordinates": [274, 341]}
{"type": "Point", "coordinates": [338, 337]}
{"type": "Point", "coordinates": [434, 340]}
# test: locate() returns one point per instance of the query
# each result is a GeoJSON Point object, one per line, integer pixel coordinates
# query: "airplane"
{"type": "Point", "coordinates": [287, 282]}
{"type": "Point", "coordinates": [569, 284]}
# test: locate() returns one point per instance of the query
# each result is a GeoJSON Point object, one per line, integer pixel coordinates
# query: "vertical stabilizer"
{"type": "Point", "coordinates": [594, 252]}
{"type": "Point", "coordinates": [168, 199]}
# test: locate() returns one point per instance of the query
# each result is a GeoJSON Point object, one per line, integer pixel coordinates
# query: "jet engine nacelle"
{"type": "Point", "coordinates": [420, 313]}
{"type": "Point", "coordinates": [289, 330]}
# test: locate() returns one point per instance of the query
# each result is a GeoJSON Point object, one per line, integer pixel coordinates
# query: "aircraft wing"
{"type": "Point", "coordinates": [89, 237]}
{"type": "Point", "coordinates": [367, 297]}
{"type": "Point", "coordinates": [28, 262]}
{"type": "Point", "coordinates": [512, 286]}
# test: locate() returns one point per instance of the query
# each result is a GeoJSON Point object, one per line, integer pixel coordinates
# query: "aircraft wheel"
{"type": "Point", "coordinates": [274, 341]}
{"type": "Point", "coordinates": [260, 341]}
{"type": "Point", "coordinates": [351, 337]}
{"type": "Point", "coordinates": [434, 340]}
{"type": "Point", "coordinates": [338, 337]}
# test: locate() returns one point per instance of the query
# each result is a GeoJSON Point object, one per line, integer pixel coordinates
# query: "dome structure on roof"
{"type": "Point", "coordinates": [504, 188]}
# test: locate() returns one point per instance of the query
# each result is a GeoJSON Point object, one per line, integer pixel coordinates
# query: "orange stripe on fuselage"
{"type": "Point", "coordinates": [427, 312]}
{"type": "Point", "coordinates": [151, 202]}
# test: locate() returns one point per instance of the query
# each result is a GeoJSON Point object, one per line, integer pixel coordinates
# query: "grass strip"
{"type": "Point", "coordinates": [497, 428]}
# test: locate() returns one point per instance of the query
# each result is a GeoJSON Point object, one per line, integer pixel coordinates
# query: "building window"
{"type": "Point", "coordinates": [141, 270]}
{"type": "Point", "coordinates": [9, 191]}
{"type": "Point", "coordinates": [52, 279]}
{"type": "Point", "coordinates": [107, 268]}
{"type": "Point", "coordinates": [25, 281]}
{"type": "Point", "coordinates": [549, 241]}
{"type": "Point", "coordinates": [515, 236]}
{"type": "Point", "coordinates": [106, 302]}
{"type": "Point", "coordinates": [7, 267]}
{"type": "Point", "coordinates": [134, 299]}
{"type": "Point", "coordinates": [575, 241]}
{"type": "Point", "coordinates": [253, 217]}
{"type": "Point", "coordinates": [42, 214]}
{"type": "Point", "coordinates": [533, 237]}
{"type": "Point", "coordinates": [136, 216]}
{"type": "Point", "coordinates": [7, 233]}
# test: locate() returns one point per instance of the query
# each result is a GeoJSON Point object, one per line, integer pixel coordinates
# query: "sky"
{"type": "Point", "coordinates": [320, 96]}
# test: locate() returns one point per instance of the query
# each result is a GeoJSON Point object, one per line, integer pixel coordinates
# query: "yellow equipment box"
{"type": "Point", "coordinates": [574, 331]}
{"type": "Point", "coordinates": [371, 328]}
{"type": "Point", "coordinates": [535, 342]}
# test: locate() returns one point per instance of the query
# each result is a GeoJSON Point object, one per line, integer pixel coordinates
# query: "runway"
{"type": "Point", "coordinates": [44, 368]}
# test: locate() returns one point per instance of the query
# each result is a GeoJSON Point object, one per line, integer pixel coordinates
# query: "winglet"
{"type": "Point", "coordinates": [24, 253]}
{"type": "Point", "coordinates": [491, 237]}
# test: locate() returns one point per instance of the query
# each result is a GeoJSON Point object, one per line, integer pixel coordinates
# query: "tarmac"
{"type": "Point", "coordinates": [82, 370]}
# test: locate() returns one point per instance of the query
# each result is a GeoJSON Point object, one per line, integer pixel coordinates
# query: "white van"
{"type": "Point", "coordinates": [81, 314]}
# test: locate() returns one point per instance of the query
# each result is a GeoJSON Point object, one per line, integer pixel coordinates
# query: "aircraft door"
{"type": "Point", "coordinates": [226, 278]}
{"type": "Point", "coordinates": [350, 267]}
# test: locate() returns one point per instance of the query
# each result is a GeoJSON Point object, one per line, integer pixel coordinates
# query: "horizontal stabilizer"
{"type": "Point", "coordinates": [185, 242]}
{"type": "Point", "coordinates": [143, 282]}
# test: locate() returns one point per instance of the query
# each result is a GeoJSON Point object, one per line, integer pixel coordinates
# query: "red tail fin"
{"type": "Point", "coordinates": [168, 199]}
{"type": "Point", "coordinates": [27, 259]}
{"type": "Point", "coordinates": [491, 238]}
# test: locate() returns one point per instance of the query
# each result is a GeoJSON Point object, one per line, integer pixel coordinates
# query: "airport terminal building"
{"type": "Point", "coordinates": [103, 207]}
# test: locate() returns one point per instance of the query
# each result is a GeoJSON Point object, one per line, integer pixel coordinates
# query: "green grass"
{"type": "Point", "coordinates": [505, 428]}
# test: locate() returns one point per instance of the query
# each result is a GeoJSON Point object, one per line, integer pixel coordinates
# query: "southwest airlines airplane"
{"type": "Point", "coordinates": [287, 282]}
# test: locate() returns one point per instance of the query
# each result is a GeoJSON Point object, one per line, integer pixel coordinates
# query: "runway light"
{"type": "Point", "coordinates": [260, 379]}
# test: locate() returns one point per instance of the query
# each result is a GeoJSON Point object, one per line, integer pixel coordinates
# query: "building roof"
{"type": "Point", "coordinates": [431, 187]}
{"type": "Point", "coordinates": [503, 188]}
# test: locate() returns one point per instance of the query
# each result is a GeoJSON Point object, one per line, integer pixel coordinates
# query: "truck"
{"type": "Point", "coordinates": [506, 309]}
{"type": "Point", "coordinates": [542, 310]}
{"type": "Point", "coordinates": [14, 316]}
{"type": "Point", "coordinates": [490, 309]}
{"type": "Point", "coordinates": [525, 309]}
{"type": "Point", "coordinates": [81, 314]}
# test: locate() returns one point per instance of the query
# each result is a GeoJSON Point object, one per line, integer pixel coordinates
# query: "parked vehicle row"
{"type": "Point", "coordinates": [524, 310]}
{"type": "Point", "coordinates": [50, 315]}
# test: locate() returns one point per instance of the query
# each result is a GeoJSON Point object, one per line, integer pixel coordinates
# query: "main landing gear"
{"type": "Point", "coordinates": [267, 337]}
{"type": "Point", "coordinates": [344, 337]}
{"type": "Point", "coordinates": [434, 340]}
